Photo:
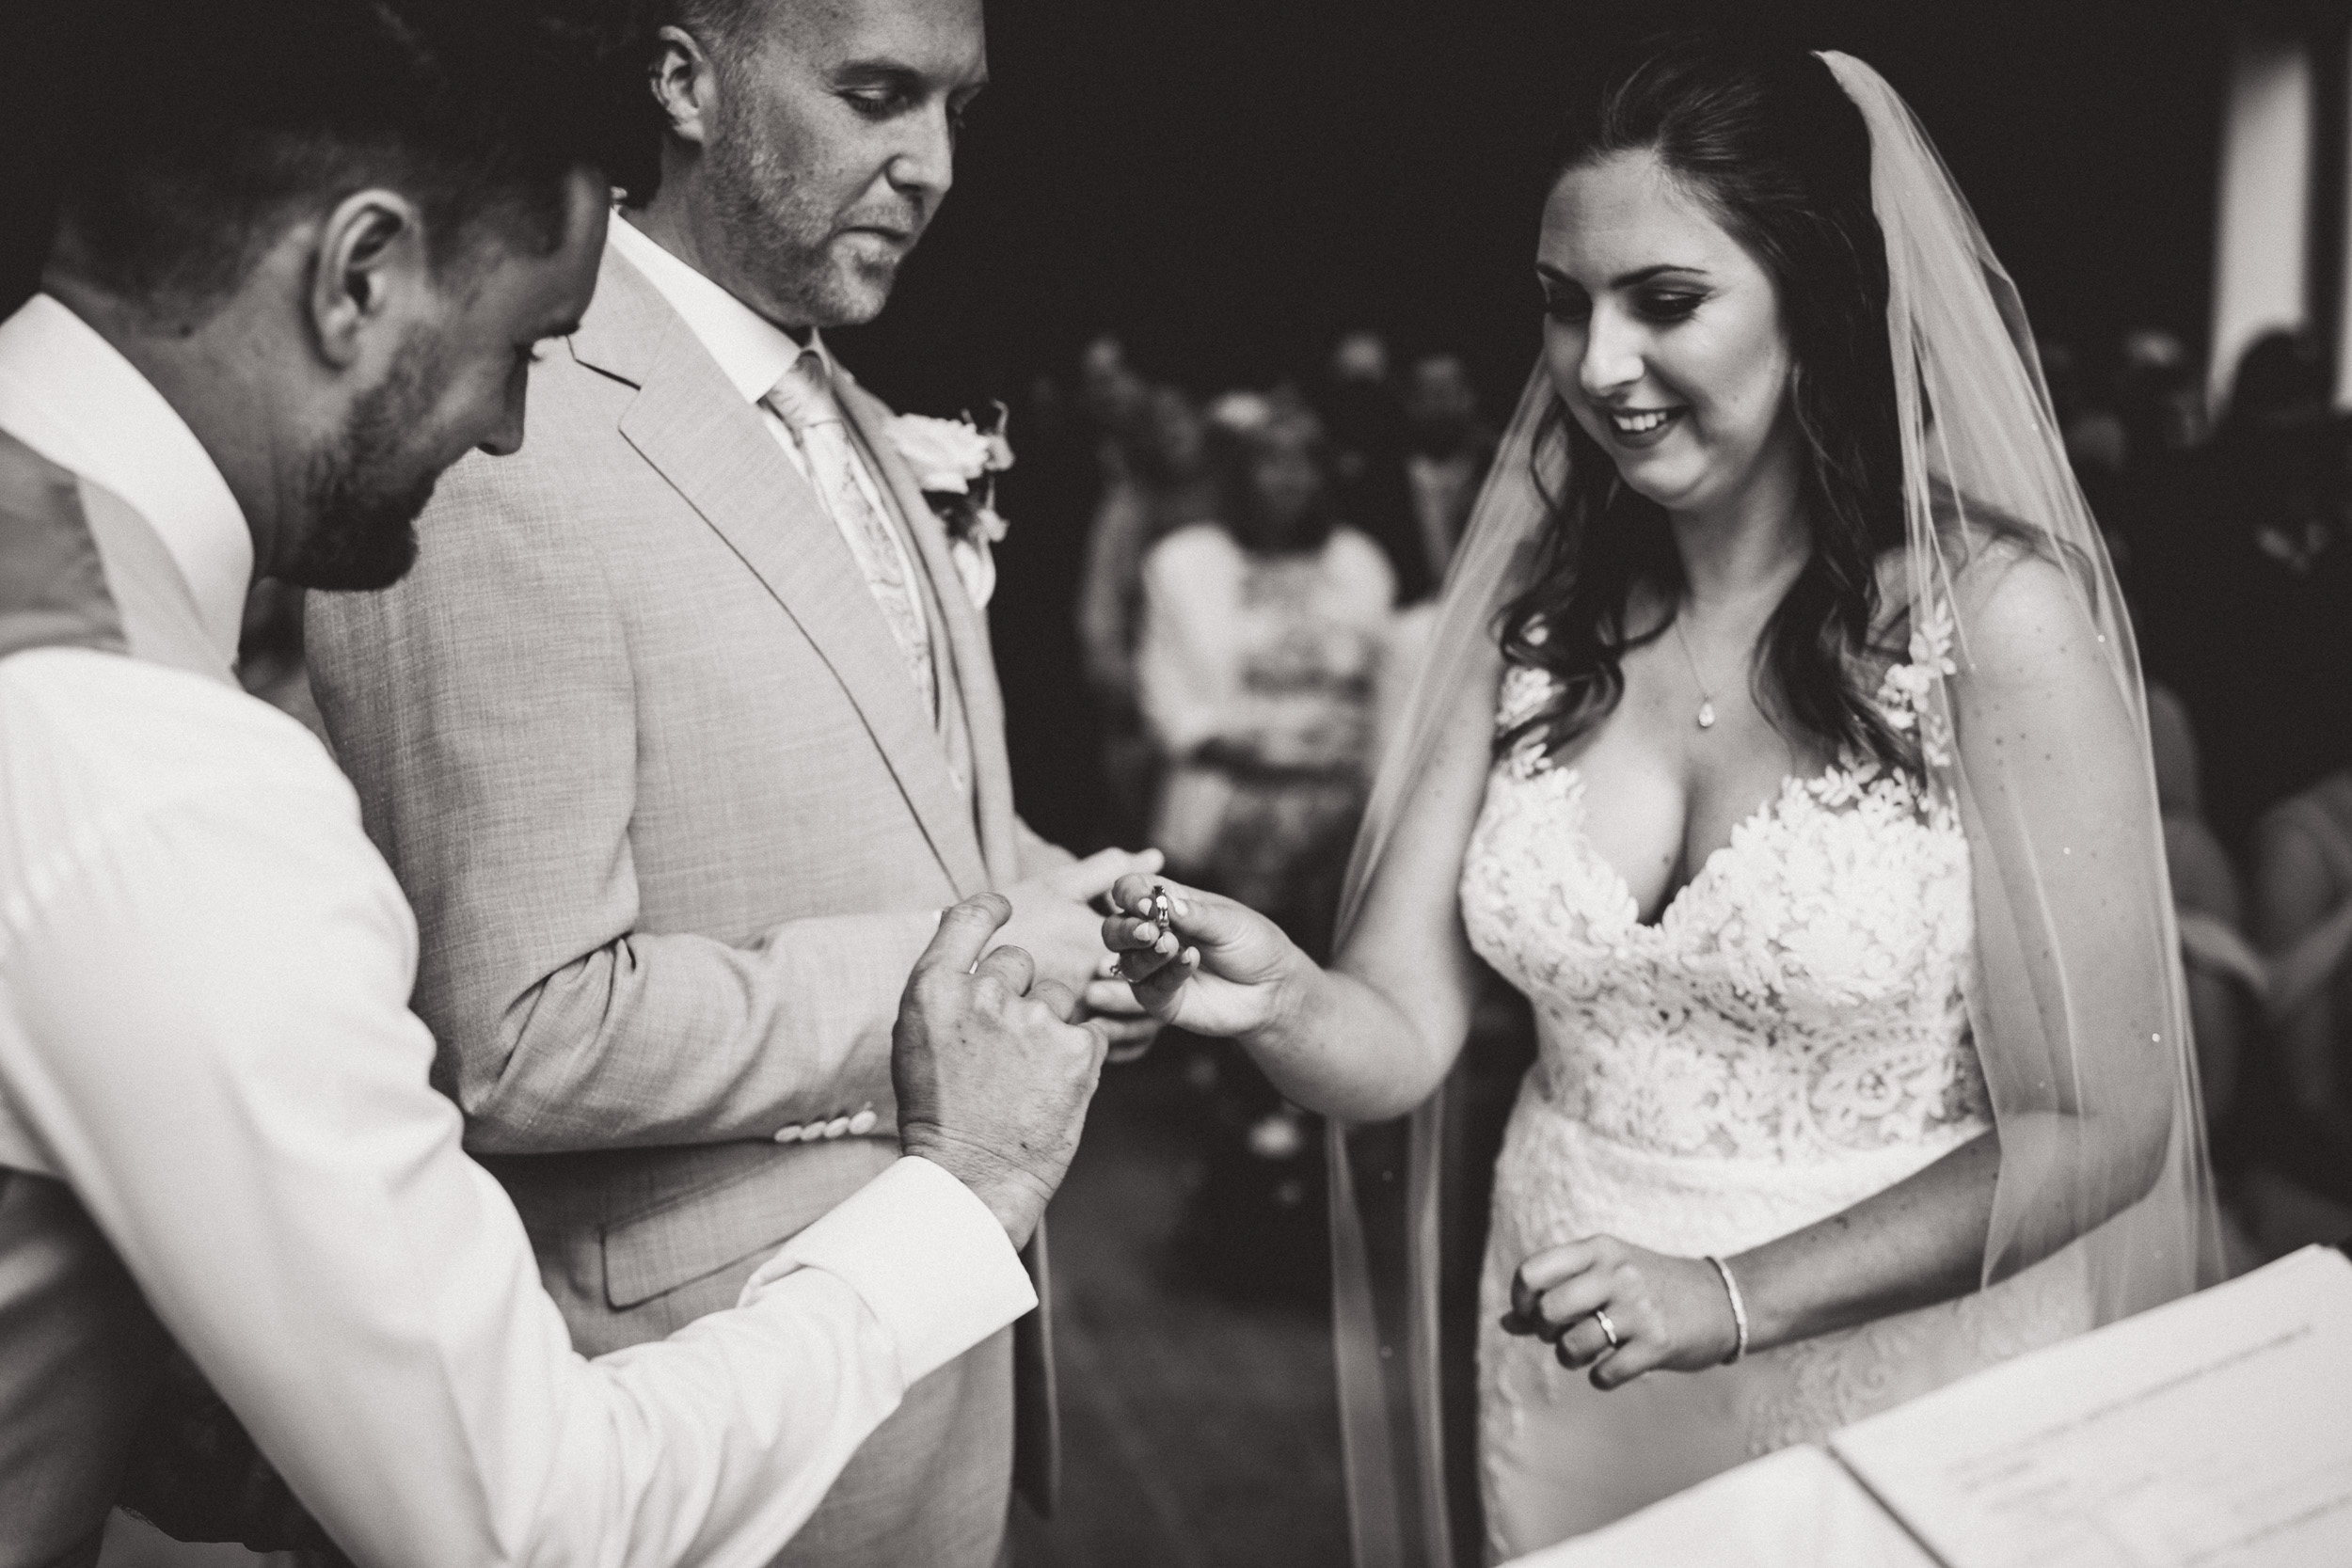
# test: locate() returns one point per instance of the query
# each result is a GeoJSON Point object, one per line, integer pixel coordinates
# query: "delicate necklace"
{"type": "Point", "coordinates": [1706, 698]}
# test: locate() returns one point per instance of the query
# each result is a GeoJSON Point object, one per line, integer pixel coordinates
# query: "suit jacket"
{"type": "Point", "coordinates": [639, 744]}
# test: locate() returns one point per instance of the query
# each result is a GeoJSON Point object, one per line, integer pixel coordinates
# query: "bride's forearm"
{"type": "Point", "coordinates": [1918, 1242]}
{"type": "Point", "coordinates": [1339, 1047]}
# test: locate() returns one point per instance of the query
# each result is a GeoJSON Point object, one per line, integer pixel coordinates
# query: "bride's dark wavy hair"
{"type": "Point", "coordinates": [1763, 135]}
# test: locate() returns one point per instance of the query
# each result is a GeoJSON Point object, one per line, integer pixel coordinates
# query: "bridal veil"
{"type": "Point", "coordinates": [2075, 998]}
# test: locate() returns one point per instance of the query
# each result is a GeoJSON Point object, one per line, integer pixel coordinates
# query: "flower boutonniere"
{"type": "Point", "coordinates": [956, 463]}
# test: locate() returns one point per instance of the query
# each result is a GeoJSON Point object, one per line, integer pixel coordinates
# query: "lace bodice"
{"type": "Point", "coordinates": [1799, 999]}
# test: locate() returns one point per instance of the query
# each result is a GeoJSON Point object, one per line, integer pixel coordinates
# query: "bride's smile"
{"type": "Point", "coordinates": [1663, 335]}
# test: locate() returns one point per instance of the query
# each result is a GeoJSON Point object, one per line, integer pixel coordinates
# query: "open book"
{"type": "Point", "coordinates": [2214, 1431]}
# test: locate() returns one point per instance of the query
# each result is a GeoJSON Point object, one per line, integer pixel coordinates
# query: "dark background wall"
{"type": "Point", "coordinates": [1230, 181]}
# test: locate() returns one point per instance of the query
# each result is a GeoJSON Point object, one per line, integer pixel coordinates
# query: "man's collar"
{"type": "Point", "coordinates": [752, 352]}
{"type": "Point", "coordinates": [69, 394]}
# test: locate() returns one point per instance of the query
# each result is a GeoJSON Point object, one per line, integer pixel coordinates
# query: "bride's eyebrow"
{"type": "Point", "coordinates": [1550, 274]}
{"type": "Point", "coordinates": [1644, 275]}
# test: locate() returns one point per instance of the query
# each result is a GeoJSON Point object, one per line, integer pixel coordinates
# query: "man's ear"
{"type": "Point", "coordinates": [684, 82]}
{"type": "Point", "coordinates": [371, 249]}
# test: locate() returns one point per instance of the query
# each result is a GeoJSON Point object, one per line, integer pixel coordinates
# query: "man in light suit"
{"type": "Point", "coordinates": [302, 253]}
{"type": "Point", "coordinates": [687, 728]}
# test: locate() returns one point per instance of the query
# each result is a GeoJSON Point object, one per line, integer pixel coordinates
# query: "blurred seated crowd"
{"type": "Point", "coordinates": [2234, 544]}
{"type": "Point", "coordinates": [1245, 581]}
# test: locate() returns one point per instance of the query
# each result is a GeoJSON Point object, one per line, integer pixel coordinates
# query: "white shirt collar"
{"type": "Point", "coordinates": [70, 396]}
{"type": "Point", "coordinates": [752, 352]}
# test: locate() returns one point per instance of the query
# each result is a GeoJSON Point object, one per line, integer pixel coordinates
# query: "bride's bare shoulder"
{"type": "Point", "coordinates": [2016, 597]}
{"type": "Point", "coordinates": [1981, 554]}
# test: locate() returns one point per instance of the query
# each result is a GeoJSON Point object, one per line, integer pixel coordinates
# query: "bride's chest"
{"type": "Point", "coordinates": [1846, 895]}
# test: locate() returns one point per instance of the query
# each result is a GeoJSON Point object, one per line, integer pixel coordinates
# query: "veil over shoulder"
{"type": "Point", "coordinates": [2074, 998]}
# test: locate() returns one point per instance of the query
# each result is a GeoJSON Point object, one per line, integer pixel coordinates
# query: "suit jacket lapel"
{"type": "Point", "coordinates": [975, 666]}
{"type": "Point", "coordinates": [715, 449]}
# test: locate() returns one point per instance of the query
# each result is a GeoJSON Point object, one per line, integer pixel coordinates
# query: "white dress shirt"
{"type": "Point", "coordinates": [204, 975]}
{"type": "Point", "coordinates": [752, 353]}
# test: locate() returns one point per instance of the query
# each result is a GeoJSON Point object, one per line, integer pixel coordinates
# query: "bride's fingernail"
{"type": "Point", "coordinates": [1167, 943]}
{"type": "Point", "coordinates": [1192, 958]}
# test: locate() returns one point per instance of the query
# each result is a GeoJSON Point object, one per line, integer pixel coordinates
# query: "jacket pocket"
{"type": "Point", "coordinates": [736, 1221]}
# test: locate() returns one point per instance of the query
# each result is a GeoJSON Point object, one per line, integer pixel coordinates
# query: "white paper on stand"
{"type": "Point", "coordinates": [2215, 1430]}
{"type": "Point", "coordinates": [1794, 1509]}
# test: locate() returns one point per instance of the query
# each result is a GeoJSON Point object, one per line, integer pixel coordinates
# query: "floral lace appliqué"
{"type": "Point", "coordinates": [1787, 1038]}
{"type": "Point", "coordinates": [1802, 995]}
{"type": "Point", "coordinates": [1908, 694]}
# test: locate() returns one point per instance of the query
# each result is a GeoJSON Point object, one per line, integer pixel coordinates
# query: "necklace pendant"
{"type": "Point", "coordinates": [1707, 715]}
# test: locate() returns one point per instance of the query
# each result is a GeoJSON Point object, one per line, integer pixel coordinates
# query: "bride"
{"type": "Point", "coordinates": [1783, 743]}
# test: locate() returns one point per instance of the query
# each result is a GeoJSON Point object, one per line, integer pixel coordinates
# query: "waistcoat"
{"type": "Point", "coordinates": [79, 1350]}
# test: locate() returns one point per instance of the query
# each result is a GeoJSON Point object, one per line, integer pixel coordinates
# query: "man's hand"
{"type": "Point", "coordinates": [1057, 917]}
{"type": "Point", "coordinates": [992, 1077]}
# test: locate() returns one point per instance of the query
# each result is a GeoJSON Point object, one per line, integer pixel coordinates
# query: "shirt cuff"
{"type": "Point", "coordinates": [924, 1254]}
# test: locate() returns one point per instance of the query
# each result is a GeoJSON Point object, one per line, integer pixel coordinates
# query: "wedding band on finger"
{"type": "Point", "coordinates": [1608, 1329]}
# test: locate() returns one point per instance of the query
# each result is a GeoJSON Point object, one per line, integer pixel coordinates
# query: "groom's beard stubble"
{"type": "Point", "coordinates": [785, 236]}
{"type": "Point", "coordinates": [367, 492]}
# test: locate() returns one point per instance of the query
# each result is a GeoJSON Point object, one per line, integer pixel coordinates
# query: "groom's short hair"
{"type": "Point", "coordinates": [205, 127]}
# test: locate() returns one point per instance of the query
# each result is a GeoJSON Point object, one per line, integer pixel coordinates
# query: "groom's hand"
{"type": "Point", "coordinates": [992, 1074]}
{"type": "Point", "coordinates": [1057, 917]}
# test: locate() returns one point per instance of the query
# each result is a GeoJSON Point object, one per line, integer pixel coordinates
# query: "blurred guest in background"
{"type": "Point", "coordinates": [2303, 919]}
{"type": "Point", "coordinates": [1364, 424]}
{"type": "Point", "coordinates": [2096, 445]}
{"type": "Point", "coordinates": [1108, 389]}
{"type": "Point", "coordinates": [1448, 449]}
{"type": "Point", "coordinates": [2226, 976]}
{"type": "Point", "coordinates": [1262, 635]}
{"type": "Point", "coordinates": [2159, 395]}
{"type": "Point", "coordinates": [2244, 593]}
{"type": "Point", "coordinates": [2137, 452]}
{"type": "Point", "coordinates": [1156, 481]}
{"type": "Point", "coordinates": [1050, 494]}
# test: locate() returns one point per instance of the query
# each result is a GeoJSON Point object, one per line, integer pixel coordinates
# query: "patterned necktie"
{"type": "Point", "coordinates": [803, 401]}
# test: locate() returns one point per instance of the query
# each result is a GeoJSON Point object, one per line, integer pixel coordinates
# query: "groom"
{"type": "Point", "coordinates": [686, 728]}
{"type": "Point", "coordinates": [302, 253]}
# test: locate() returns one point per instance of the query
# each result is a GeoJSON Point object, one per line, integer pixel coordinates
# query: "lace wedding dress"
{"type": "Point", "coordinates": [1788, 1039]}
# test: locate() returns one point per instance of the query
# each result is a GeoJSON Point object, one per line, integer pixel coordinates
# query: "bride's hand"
{"type": "Point", "coordinates": [1214, 967]}
{"type": "Point", "coordinates": [1664, 1312]}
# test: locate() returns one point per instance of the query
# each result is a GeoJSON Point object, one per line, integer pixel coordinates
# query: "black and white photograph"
{"type": "Point", "coordinates": [1176, 783]}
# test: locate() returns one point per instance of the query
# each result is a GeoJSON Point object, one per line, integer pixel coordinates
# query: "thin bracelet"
{"type": "Point", "coordinates": [1738, 1310]}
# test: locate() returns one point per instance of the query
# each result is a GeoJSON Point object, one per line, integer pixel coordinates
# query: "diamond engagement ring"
{"type": "Point", "coordinates": [1158, 908]}
{"type": "Point", "coordinates": [1608, 1329]}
